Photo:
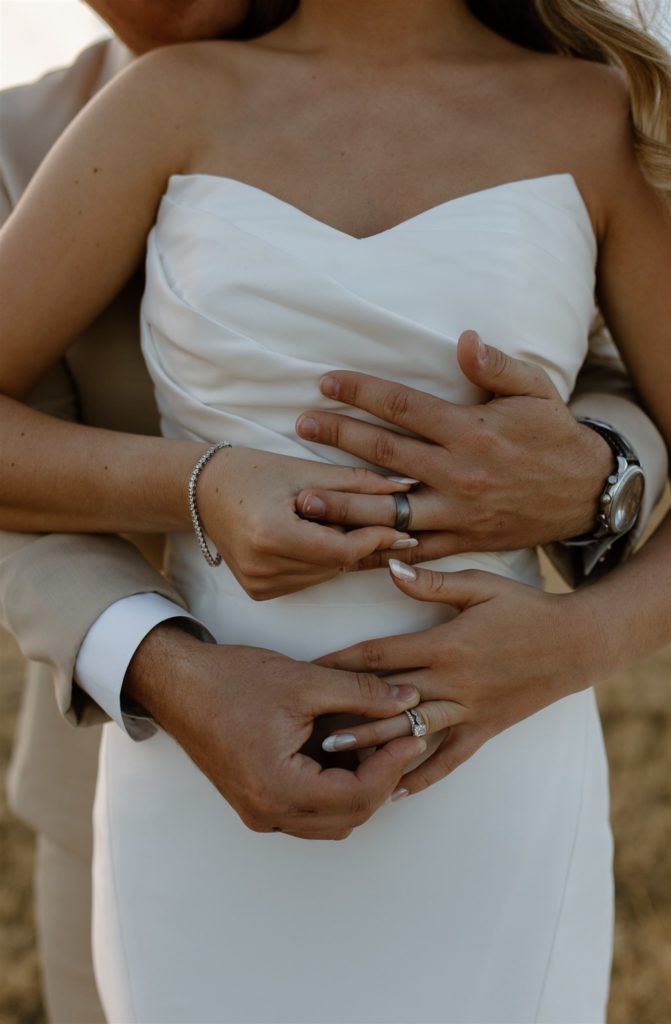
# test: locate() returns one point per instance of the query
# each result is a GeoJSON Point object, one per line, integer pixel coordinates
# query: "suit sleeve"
{"type": "Point", "coordinates": [54, 587]}
{"type": "Point", "coordinates": [605, 392]}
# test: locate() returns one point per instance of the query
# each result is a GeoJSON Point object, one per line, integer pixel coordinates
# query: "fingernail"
{"type": "Point", "coordinates": [314, 507]}
{"type": "Point", "coordinates": [404, 693]}
{"type": "Point", "coordinates": [483, 351]}
{"type": "Point", "coordinates": [345, 741]}
{"type": "Point", "coordinates": [401, 571]}
{"type": "Point", "coordinates": [399, 793]}
{"type": "Point", "coordinates": [307, 427]}
{"type": "Point", "coordinates": [329, 387]}
{"type": "Point", "coordinates": [404, 542]}
{"type": "Point", "coordinates": [409, 480]}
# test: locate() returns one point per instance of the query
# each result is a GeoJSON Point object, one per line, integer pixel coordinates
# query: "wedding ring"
{"type": "Point", "coordinates": [417, 723]}
{"type": "Point", "coordinates": [403, 510]}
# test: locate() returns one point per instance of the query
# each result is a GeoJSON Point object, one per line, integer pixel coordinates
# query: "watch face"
{"type": "Point", "coordinates": [626, 501]}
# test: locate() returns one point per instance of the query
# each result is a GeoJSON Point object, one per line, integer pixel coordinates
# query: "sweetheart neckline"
{"type": "Point", "coordinates": [407, 221]}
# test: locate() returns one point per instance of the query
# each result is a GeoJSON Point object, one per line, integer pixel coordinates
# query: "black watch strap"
{"type": "Point", "coordinates": [617, 443]}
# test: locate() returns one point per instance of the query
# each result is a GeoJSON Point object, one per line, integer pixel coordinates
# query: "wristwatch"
{"type": "Point", "coordinates": [611, 541]}
{"type": "Point", "coordinates": [620, 502]}
{"type": "Point", "coordinates": [622, 497]}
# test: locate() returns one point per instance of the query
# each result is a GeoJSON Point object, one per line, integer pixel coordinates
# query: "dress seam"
{"type": "Point", "coordinates": [117, 904]}
{"type": "Point", "coordinates": [568, 875]}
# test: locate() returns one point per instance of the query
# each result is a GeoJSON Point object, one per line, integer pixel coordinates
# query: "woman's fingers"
{"type": "Point", "coordinates": [460, 589]}
{"type": "Point", "coordinates": [345, 549]}
{"type": "Point", "coordinates": [455, 749]}
{"type": "Point", "coordinates": [434, 715]}
{"type": "Point", "coordinates": [388, 654]}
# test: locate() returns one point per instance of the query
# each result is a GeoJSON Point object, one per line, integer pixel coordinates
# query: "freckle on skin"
{"type": "Point", "coordinates": [95, 170]}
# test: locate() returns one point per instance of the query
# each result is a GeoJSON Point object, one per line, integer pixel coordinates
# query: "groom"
{"type": "Point", "coordinates": [94, 610]}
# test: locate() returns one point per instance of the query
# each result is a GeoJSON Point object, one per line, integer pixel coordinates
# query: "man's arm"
{"type": "Point", "coordinates": [604, 391]}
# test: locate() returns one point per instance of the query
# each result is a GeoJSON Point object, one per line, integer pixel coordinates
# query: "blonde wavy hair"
{"type": "Point", "coordinates": [604, 31]}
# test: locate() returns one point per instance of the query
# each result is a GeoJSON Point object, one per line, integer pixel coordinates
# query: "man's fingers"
{"type": "Point", "coordinates": [492, 370]}
{"type": "Point", "coordinates": [350, 798]}
{"type": "Point", "coordinates": [435, 715]}
{"type": "Point", "coordinates": [346, 509]}
{"type": "Point", "coordinates": [358, 693]}
{"type": "Point", "coordinates": [456, 748]}
{"type": "Point", "coordinates": [379, 774]}
{"type": "Point", "coordinates": [395, 403]}
{"type": "Point", "coordinates": [428, 508]}
{"type": "Point", "coordinates": [374, 444]}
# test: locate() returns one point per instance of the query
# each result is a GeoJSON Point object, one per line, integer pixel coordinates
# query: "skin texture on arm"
{"type": "Point", "coordinates": [90, 209]}
{"type": "Point", "coordinates": [52, 587]}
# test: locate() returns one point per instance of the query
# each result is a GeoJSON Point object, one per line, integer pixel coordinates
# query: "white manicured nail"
{"type": "Point", "coordinates": [405, 480]}
{"type": "Point", "coordinates": [399, 793]}
{"type": "Point", "coordinates": [404, 542]}
{"type": "Point", "coordinates": [345, 741]}
{"type": "Point", "coordinates": [401, 571]}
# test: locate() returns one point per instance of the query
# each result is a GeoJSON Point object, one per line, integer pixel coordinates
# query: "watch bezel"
{"type": "Point", "coordinates": [616, 485]}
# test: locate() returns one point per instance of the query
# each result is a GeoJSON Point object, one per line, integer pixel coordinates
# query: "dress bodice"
{"type": "Point", "coordinates": [249, 301]}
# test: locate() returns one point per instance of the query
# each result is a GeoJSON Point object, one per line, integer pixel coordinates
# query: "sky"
{"type": "Point", "coordinates": [36, 35]}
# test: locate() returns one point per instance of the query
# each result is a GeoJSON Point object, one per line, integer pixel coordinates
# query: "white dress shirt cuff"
{"type": "Point", "coordinates": [109, 646]}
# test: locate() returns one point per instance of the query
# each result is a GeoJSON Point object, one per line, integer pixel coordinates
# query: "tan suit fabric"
{"type": "Point", "coordinates": [52, 588]}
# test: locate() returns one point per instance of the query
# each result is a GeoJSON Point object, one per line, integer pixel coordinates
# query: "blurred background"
{"type": "Point", "coordinates": [36, 35]}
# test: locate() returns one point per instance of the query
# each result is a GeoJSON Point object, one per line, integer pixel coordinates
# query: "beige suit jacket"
{"type": "Point", "coordinates": [52, 588]}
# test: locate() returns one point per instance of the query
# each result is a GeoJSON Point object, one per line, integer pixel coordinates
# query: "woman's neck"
{"type": "Point", "coordinates": [388, 29]}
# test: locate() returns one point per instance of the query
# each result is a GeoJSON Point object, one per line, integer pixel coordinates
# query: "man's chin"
{"type": "Point", "coordinates": [145, 25]}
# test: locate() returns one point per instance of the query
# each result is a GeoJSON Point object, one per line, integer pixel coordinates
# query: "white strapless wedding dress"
{"type": "Point", "coordinates": [486, 898]}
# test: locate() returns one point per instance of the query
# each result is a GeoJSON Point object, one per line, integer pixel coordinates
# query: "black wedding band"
{"type": "Point", "coordinates": [402, 521]}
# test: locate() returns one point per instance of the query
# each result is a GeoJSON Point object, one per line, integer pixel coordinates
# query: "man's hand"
{"type": "Point", "coordinates": [514, 472]}
{"type": "Point", "coordinates": [510, 651]}
{"type": "Point", "coordinates": [243, 714]}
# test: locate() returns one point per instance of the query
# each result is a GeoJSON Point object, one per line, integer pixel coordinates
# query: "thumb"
{"type": "Point", "coordinates": [382, 771]}
{"type": "Point", "coordinates": [492, 370]}
{"type": "Point", "coordinates": [459, 589]}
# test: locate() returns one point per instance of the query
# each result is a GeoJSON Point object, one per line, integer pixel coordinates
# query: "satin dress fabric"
{"type": "Point", "coordinates": [487, 898]}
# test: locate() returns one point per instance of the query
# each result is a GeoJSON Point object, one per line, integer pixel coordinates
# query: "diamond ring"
{"type": "Point", "coordinates": [417, 723]}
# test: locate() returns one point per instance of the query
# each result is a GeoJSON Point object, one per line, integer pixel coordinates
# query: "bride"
{"type": "Point", "coordinates": [352, 188]}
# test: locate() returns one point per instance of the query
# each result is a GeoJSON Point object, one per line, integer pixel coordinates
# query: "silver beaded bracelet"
{"type": "Point", "coordinates": [213, 560]}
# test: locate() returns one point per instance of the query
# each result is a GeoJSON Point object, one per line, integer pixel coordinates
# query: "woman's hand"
{"type": "Point", "coordinates": [510, 651]}
{"type": "Point", "coordinates": [247, 502]}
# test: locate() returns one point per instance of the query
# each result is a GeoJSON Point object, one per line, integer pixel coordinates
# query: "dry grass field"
{"type": "Point", "coordinates": [636, 708]}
